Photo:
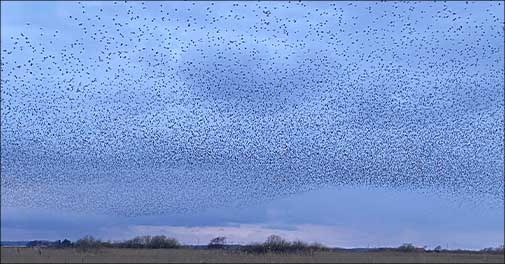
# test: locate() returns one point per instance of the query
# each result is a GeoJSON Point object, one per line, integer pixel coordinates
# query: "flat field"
{"type": "Point", "coordinates": [46, 255]}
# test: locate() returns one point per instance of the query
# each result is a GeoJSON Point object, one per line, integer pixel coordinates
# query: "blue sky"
{"type": "Point", "coordinates": [377, 123]}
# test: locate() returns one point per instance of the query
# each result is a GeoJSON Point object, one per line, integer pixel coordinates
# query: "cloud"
{"type": "Point", "coordinates": [329, 235]}
{"type": "Point", "coordinates": [340, 216]}
{"type": "Point", "coordinates": [241, 234]}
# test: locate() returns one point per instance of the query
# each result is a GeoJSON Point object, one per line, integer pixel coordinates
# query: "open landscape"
{"type": "Point", "coordinates": [160, 249]}
{"type": "Point", "coordinates": [252, 131]}
{"type": "Point", "coordinates": [32, 255]}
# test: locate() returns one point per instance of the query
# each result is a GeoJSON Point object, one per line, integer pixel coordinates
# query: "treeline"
{"type": "Point", "coordinates": [55, 244]}
{"type": "Point", "coordinates": [408, 247]}
{"type": "Point", "coordinates": [277, 244]}
{"type": "Point", "coordinates": [273, 244]}
{"type": "Point", "coordinates": [90, 243]}
{"type": "Point", "coordinates": [148, 242]}
{"type": "Point", "coordinates": [497, 250]}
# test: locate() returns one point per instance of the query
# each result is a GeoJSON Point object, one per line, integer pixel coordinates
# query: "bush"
{"type": "Point", "coordinates": [217, 242]}
{"type": "Point", "coordinates": [66, 243]}
{"type": "Point", "coordinates": [299, 245]}
{"type": "Point", "coordinates": [500, 249]}
{"type": "Point", "coordinates": [407, 247]}
{"type": "Point", "coordinates": [163, 242]}
{"type": "Point", "coordinates": [277, 244]}
{"type": "Point", "coordinates": [40, 243]}
{"type": "Point", "coordinates": [255, 248]}
{"type": "Point", "coordinates": [88, 243]}
{"type": "Point", "coordinates": [107, 244]}
{"type": "Point", "coordinates": [150, 242]}
{"type": "Point", "coordinates": [318, 247]}
{"type": "Point", "coordinates": [497, 250]}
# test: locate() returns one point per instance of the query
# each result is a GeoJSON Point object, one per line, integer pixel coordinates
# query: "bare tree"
{"type": "Point", "coordinates": [217, 242]}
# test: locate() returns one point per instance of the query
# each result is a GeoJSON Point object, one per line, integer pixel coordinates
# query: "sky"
{"type": "Point", "coordinates": [354, 124]}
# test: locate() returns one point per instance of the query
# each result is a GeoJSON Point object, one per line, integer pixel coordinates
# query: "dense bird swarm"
{"type": "Point", "coordinates": [137, 108]}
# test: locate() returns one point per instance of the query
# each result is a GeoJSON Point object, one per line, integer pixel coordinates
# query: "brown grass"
{"type": "Point", "coordinates": [47, 255]}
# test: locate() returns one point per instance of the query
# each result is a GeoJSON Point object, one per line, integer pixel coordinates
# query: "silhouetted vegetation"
{"type": "Point", "coordinates": [496, 250]}
{"type": "Point", "coordinates": [438, 249]}
{"type": "Point", "coordinates": [53, 244]}
{"type": "Point", "coordinates": [149, 242]}
{"type": "Point", "coordinates": [88, 243]}
{"type": "Point", "coordinates": [273, 244]}
{"type": "Point", "coordinates": [217, 243]}
{"type": "Point", "coordinates": [408, 247]}
{"type": "Point", "coordinates": [276, 244]}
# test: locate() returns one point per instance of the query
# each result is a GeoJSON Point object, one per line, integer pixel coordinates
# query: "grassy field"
{"type": "Point", "coordinates": [34, 255]}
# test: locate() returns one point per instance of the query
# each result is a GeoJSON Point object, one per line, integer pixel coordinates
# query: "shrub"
{"type": "Point", "coordinates": [88, 243]}
{"type": "Point", "coordinates": [277, 244]}
{"type": "Point", "coordinates": [407, 247]}
{"type": "Point", "coordinates": [40, 243]}
{"type": "Point", "coordinates": [66, 243]}
{"type": "Point", "coordinates": [299, 245]}
{"type": "Point", "coordinates": [318, 247]}
{"type": "Point", "coordinates": [150, 242]}
{"type": "Point", "coordinates": [217, 242]}
{"type": "Point", "coordinates": [500, 249]}
{"type": "Point", "coordinates": [163, 242]}
{"type": "Point", "coordinates": [255, 248]}
{"type": "Point", "coordinates": [497, 250]}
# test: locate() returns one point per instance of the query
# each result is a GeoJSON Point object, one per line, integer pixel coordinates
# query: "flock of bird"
{"type": "Point", "coordinates": [137, 108]}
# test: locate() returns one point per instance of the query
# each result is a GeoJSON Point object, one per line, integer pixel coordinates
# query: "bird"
{"type": "Point", "coordinates": [146, 108]}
